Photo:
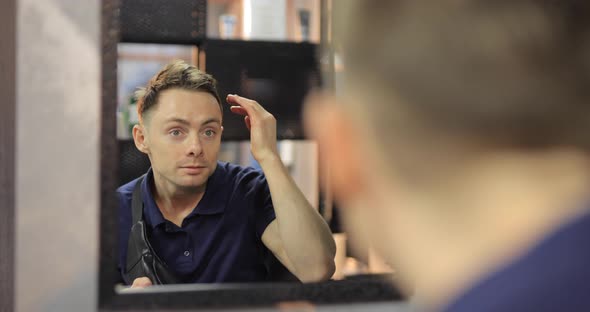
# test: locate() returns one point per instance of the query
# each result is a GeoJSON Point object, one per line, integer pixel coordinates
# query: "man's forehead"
{"type": "Point", "coordinates": [192, 120]}
{"type": "Point", "coordinates": [191, 117]}
{"type": "Point", "coordinates": [187, 105]}
{"type": "Point", "coordinates": [178, 99]}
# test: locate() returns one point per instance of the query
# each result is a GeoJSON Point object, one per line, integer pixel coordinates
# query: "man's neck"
{"type": "Point", "coordinates": [486, 216]}
{"type": "Point", "coordinates": [175, 203]}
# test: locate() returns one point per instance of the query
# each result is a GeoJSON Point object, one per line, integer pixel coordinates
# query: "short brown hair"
{"type": "Point", "coordinates": [514, 73]}
{"type": "Point", "coordinates": [177, 74]}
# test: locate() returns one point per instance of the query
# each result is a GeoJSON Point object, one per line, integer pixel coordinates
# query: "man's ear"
{"type": "Point", "coordinates": [339, 143]}
{"type": "Point", "coordinates": [139, 137]}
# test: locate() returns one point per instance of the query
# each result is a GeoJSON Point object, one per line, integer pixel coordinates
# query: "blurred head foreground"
{"type": "Point", "coordinates": [463, 134]}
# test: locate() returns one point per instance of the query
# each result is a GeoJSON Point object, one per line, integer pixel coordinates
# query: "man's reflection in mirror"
{"type": "Point", "coordinates": [199, 220]}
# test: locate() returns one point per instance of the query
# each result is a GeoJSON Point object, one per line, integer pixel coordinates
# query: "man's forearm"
{"type": "Point", "coordinates": [305, 236]}
{"type": "Point", "coordinates": [302, 234]}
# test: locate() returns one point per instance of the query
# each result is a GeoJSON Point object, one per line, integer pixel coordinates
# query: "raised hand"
{"type": "Point", "coordinates": [262, 126]}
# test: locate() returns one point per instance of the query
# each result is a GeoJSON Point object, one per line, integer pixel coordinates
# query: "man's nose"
{"type": "Point", "coordinates": [195, 149]}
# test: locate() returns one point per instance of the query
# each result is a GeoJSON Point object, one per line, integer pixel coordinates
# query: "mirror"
{"type": "Point", "coordinates": [127, 66]}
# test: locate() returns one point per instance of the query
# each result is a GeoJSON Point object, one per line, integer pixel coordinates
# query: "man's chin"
{"type": "Point", "coordinates": [193, 180]}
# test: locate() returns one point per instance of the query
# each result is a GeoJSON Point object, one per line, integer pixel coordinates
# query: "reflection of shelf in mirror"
{"type": "Point", "coordinates": [158, 53]}
{"type": "Point", "coordinates": [353, 267]}
{"type": "Point", "coordinates": [242, 10]}
{"type": "Point", "coordinates": [152, 57]}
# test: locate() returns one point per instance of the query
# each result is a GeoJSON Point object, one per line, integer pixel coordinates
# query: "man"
{"type": "Point", "coordinates": [460, 149]}
{"type": "Point", "coordinates": [211, 221]}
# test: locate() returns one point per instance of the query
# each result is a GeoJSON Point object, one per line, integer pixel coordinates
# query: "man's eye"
{"type": "Point", "coordinates": [209, 133]}
{"type": "Point", "coordinates": [175, 132]}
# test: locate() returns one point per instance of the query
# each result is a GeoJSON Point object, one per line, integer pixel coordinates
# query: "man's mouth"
{"type": "Point", "coordinates": [193, 169]}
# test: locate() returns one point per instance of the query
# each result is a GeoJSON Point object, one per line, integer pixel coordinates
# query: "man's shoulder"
{"type": "Point", "coordinates": [125, 191]}
{"type": "Point", "coordinates": [241, 175]}
{"type": "Point", "coordinates": [536, 281]}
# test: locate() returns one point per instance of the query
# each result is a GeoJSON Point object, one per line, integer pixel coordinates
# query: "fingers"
{"type": "Point", "coordinates": [241, 111]}
{"type": "Point", "coordinates": [238, 110]}
{"type": "Point", "coordinates": [250, 106]}
{"type": "Point", "coordinates": [141, 282]}
{"type": "Point", "coordinates": [247, 120]}
{"type": "Point", "coordinates": [250, 109]}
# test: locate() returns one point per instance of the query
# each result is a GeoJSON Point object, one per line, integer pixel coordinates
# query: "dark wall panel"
{"type": "Point", "coordinates": [278, 75]}
{"type": "Point", "coordinates": [163, 21]}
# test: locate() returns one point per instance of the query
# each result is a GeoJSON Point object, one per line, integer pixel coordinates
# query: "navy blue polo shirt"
{"type": "Point", "coordinates": [220, 240]}
{"type": "Point", "coordinates": [553, 276]}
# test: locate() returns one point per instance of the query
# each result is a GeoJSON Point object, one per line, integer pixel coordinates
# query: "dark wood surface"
{"type": "Point", "coordinates": [7, 151]}
{"type": "Point", "coordinates": [375, 288]}
{"type": "Point", "coordinates": [109, 161]}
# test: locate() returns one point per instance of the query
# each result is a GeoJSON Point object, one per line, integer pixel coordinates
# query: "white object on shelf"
{"type": "Point", "coordinates": [227, 26]}
{"type": "Point", "coordinates": [265, 19]}
{"type": "Point", "coordinates": [287, 152]}
{"type": "Point", "coordinates": [304, 23]}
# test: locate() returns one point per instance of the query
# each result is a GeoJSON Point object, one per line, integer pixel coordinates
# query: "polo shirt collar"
{"type": "Point", "coordinates": [214, 199]}
{"type": "Point", "coordinates": [210, 204]}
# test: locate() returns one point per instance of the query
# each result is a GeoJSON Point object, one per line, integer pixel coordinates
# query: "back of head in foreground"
{"type": "Point", "coordinates": [462, 139]}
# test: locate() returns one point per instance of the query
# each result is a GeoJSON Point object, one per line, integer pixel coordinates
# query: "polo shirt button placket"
{"type": "Point", "coordinates": [186, 253]}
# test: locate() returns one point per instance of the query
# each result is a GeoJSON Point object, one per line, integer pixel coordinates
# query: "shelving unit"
{"type": "Point", "coordinates": [239, 8]}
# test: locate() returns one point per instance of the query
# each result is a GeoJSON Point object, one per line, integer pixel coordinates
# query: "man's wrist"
{"type": "Point", "coordinates": [271, 160]}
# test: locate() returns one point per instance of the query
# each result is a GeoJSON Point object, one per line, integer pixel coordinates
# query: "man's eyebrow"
{"type": "Point", "coordinates": [211, 120]}
{"type": "Point", "coordinates": [178, 120]}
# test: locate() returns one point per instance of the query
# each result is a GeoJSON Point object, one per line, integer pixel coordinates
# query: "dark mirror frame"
{"type": "Point", "coordinates": [196, 296]}
{"type": "Point", "coordinates": [7, 152]}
